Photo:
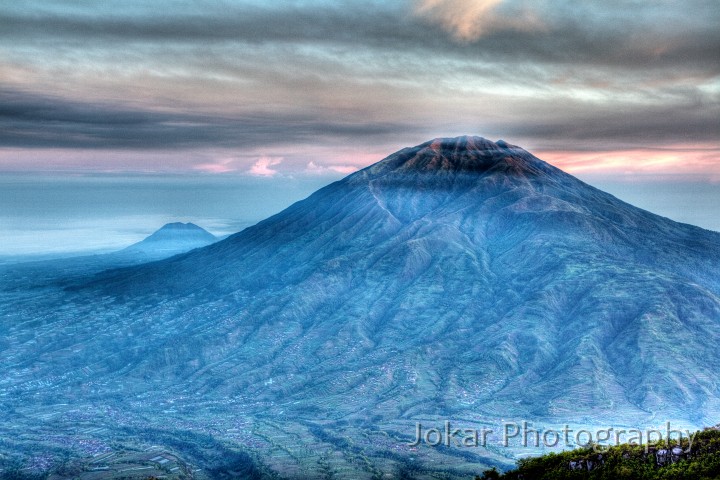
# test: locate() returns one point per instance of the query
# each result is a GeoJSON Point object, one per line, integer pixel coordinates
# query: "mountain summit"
{"type": "Point", "coordinates": [458, 279]}
{"type": "Point", "coordinates": [460, 154]}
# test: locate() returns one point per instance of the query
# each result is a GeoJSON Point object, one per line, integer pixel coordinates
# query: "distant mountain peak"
{"type": "Point", "coordinates": [179, 230]}
{"type": "Point", "coordinates": [173, 238]}
{"type": "Point", "coordinates": [180, 226]}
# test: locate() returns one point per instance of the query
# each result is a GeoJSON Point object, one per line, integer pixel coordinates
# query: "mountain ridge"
{"type": "Point", "coordinates": [514, 229]}
{"type": "Point", "coordinates": [499, 174]}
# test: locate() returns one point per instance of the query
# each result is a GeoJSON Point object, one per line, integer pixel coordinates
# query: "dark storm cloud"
{"type": "Point", "coordinates": [233, 74]}
{"type": "Point", "coordinates": [647, 124]}
{"type": "Point", "coordinates": [629, 34]}
{"type": "Point", "coordinates": [32, 120]}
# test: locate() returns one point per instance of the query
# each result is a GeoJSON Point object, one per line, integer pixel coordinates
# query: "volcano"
{"type": "Point", "coordinates": [461, 279]}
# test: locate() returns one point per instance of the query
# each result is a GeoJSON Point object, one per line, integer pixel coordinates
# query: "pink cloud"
{"type": "Point", "coordinates": [220, 166]}
{"type": "Point", "coordinates": [263, 164]}
{"type": "Point", "coordinates": [702, 161]}
{"type": "Point", "coordinates": [469, 20]}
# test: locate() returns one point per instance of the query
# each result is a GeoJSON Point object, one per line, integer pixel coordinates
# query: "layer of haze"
{"type": "Point", "coordinates": [69, 215]}
{"type": "Point", "coordinates": [50, 215]}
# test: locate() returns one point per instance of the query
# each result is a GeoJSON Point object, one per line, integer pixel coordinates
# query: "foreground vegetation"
{"type": "Point", "coordinates": [663, 461]}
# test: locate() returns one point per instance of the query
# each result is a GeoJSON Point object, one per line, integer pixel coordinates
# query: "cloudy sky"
{"type": "Point", "coordinates": [616, 87]}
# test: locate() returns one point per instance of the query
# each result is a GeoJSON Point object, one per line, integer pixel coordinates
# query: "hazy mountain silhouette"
{"type": "Point", "coordinates": [171, 239]}
{"type": "Point", "coordinates": [460, 278]}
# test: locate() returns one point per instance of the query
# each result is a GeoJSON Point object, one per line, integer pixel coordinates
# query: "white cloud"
{"type": "Point", "coordinates": [313, 167]}
{"type": "Point", "coordinates": [263, 164]}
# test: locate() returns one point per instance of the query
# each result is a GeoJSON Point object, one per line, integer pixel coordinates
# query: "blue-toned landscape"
{"type": "Point", "coordinates": [461, 279]}
{"type": "Point", "coordinates": [422, 239]}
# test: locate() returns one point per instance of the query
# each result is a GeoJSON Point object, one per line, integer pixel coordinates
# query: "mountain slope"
{"type": "Point", "coordinates": [460, 279]}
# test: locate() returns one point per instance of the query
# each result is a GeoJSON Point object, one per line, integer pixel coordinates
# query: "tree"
{"type": "Point", "coordinates": [489, 475]}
